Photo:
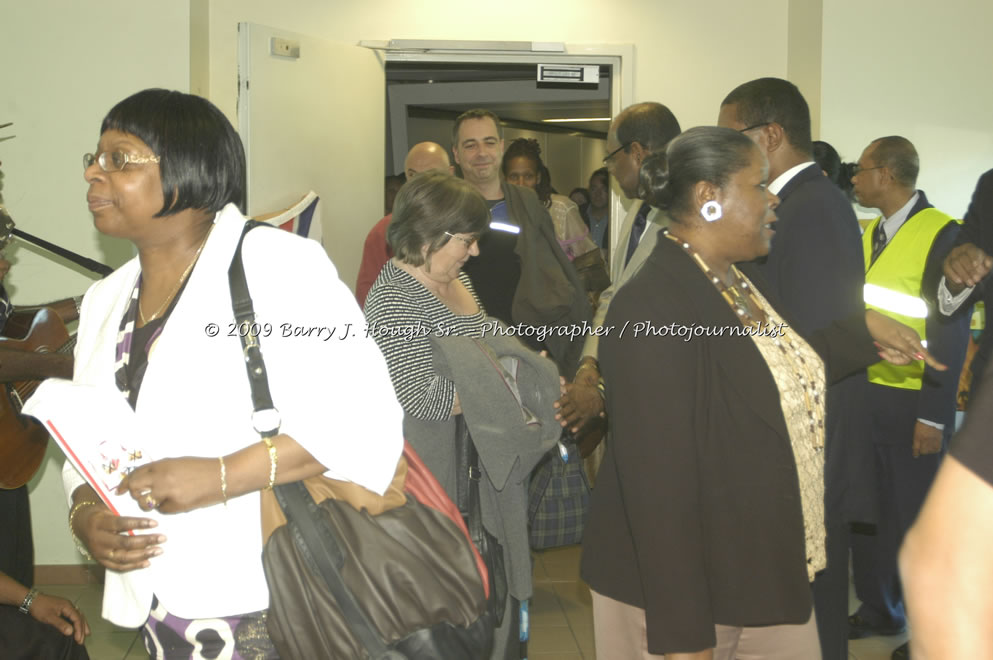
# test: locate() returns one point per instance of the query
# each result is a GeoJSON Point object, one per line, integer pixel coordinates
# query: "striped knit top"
{"type": "Point", "coordinates": [402, 315]}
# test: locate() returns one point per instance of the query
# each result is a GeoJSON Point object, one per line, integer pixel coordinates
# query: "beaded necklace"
{"type": "Point", "coordinates": [809, 374]}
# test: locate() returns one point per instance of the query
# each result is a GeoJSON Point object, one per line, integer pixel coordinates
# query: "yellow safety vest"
{"type": "Point", "coordinates": [893, 286]}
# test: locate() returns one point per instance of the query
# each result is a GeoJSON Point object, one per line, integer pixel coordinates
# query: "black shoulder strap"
{"type": "Point", "coordinates": [315, 542]}
{"type": "Point", "coordinates": [265, 416]}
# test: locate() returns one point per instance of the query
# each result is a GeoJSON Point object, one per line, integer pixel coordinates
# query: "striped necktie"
{"type": "Point", "coordinates": [878, 240]}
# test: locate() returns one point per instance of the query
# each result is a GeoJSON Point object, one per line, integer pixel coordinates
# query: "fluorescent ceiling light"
{"type": "Point", "coordinates": [572, 119]}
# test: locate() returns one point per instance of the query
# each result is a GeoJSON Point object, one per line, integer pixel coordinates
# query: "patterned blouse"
{"type": "Point", "coordinates": [402, 316]}
{"type": "Point", "coordinates": [799, 374]}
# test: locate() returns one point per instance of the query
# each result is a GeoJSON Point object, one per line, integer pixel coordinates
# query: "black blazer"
{"type": "Point", "coordinates": [816, 273]}
{"type": "Point", "coordinates": [696, 516]}
{"type": "Point", "coordinates": [977, 229]}
{"type": "Point", "coordinates": [815, 267]}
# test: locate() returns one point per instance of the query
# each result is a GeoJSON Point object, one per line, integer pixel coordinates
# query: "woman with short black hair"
{"type": "Point", "coordinates": [168, 174]}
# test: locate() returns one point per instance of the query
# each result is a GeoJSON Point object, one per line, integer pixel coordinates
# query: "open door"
{"type": "Point", "coordinates": [311, 114]}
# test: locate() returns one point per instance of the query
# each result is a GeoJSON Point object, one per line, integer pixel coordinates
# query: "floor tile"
{"type": "Point", "coordinates": [539, 568]}
{"type": "Point", "coordinates": [90, 602]}
{"type": "Point", "coordinates": [110, 645]}
{"type": "Point", "coordinates": [138, 651]}
{"type": "Point", "coordinates": [545, 608]}
{"type": "Point", "coordinates": [70, 592]}
{"type": "Point", "coordinates": [561, 564]}
{"type": "Point", "coordinates": [552, 640]}
{"type": "Point", "coordinates": [874, 648]}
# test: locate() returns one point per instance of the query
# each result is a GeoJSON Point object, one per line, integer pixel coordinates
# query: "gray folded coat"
{"type": "Point", "coordinates": [506, 392]}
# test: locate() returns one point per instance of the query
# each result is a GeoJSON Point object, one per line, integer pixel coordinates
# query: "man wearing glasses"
{"type": "Point", "coordinates": [815, 270]}
{"type": "Point", "coordinates": [913, 406]}
{"type": "Point", "coordinates": [639, 130]}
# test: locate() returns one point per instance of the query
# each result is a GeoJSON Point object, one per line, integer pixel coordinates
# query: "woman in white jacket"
{"type": "Point", "coordinates": [169, 175]}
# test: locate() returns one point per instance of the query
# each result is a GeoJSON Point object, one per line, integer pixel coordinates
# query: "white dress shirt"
{"type": "Point", "coordinates": [780, 181]}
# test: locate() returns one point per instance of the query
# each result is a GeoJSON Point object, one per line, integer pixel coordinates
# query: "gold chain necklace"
{"type": "Point", "coordinates": [733, 293]}
{"type": "Point", "coordinates": [175, 290]}
{"type": "Point", "coordinates": [804, 372]}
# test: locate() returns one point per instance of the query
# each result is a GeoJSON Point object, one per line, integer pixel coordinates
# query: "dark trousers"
{"type": "Point", "coordinates": [24, 638]}
{"type": "Point", "coordinates": [830, 590]}
{"type": "Point", "coordinates": [902, 483]}
{"type": "Point", "coordinates": [16, 545]}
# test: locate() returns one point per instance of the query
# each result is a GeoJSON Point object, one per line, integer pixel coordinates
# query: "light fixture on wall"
{"type": "Point", "coordinates": [564, 120]}
{"type": "Point", "coordinates": [456, 45]}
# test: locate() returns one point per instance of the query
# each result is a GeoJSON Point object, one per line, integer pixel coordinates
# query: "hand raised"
{"type": "Point", "coordinates": [966, 265]}
{"type": "Point", "coordinates": [898, 343]}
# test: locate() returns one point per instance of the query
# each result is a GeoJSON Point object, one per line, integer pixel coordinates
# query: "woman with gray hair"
{"type": "Point", "coordinates": [706, 526]}
{"type": "Point", "coordinates": [422, 290]}
{"type": "Point", "coordinates": [462, 382]}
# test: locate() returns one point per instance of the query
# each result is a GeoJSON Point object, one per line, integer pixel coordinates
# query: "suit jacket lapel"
{"type": "Point", "coordinates": [617, 263]}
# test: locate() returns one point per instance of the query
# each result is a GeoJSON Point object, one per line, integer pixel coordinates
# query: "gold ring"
{"type": "Point", "coordinates": [110, 555]}
{"type": "Point", "coordinates": [150, 502]}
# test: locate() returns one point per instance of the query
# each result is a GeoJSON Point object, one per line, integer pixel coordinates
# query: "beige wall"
{"type": "Point", "coordinates": [686, 55]}
{"type": "Point", "coordinates": [914, 68]}
{"type": "Point", "coordinates": [65, 64]}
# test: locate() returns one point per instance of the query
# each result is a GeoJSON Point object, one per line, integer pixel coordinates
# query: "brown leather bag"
{"type": "Point", "coordinates": [361, 575]}
{"type": "Point", "coordinates": [411, 571]}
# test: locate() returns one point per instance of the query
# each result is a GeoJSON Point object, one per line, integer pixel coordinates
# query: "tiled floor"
{"type": "Point", "coordinates": [561, 617]}
{"type": "Point", "coordinates": [106, 641]}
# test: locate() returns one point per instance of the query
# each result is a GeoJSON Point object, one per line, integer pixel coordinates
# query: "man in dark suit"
{"type": "Point", "coordinates": [913, 407]}
{"type": "Point", "coordinates": [815, 270]}
{"type": "Point", "coordinates": [966, 270]}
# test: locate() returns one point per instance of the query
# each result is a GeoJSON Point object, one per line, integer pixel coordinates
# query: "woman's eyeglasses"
{"type": "Point", "coordinates": [468, 242]}
{"type": "Point", "coordinates": [114, 161]}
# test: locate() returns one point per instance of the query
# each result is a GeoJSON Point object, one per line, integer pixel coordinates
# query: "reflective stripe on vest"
{"type": "Point", "coordinates": [893, 286]}
{"type": "Point", "coordinates": [894, 301]}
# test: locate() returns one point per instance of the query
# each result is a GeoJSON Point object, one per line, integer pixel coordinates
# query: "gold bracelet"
{"type": "Point", "coordinates": [589, 364]}
{"type": "Point", "coordinates": [72, 515]}
{"type": "Point", "coordinates": [273, 461]}
{"type": "Point", "coordinates": [224, 480]}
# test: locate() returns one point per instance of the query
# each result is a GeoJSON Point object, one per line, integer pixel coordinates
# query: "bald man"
{"type": "Point", "coordinates": [422, 157]}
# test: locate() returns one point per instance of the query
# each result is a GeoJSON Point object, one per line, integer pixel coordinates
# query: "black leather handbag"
{"type": "Point", "coordinates": [343, 583]}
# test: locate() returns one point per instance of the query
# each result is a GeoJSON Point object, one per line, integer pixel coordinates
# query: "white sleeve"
{"type": "Point", "coordinates": [333, 391]}
{"type": "Point", "coordinates": [947, 303]}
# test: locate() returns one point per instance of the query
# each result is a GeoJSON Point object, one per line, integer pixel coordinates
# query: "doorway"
{"type": "Point", "coordinates": [423, 100]}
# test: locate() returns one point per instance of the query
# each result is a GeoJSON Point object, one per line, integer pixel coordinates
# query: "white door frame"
{"type": "Point", "coordinates": [619, 57]}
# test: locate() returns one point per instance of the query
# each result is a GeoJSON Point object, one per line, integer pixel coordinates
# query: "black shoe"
{"type": "Point", "coordinates": [901, 652]}
{"type": "Point", "coordinates": [859, 628]}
